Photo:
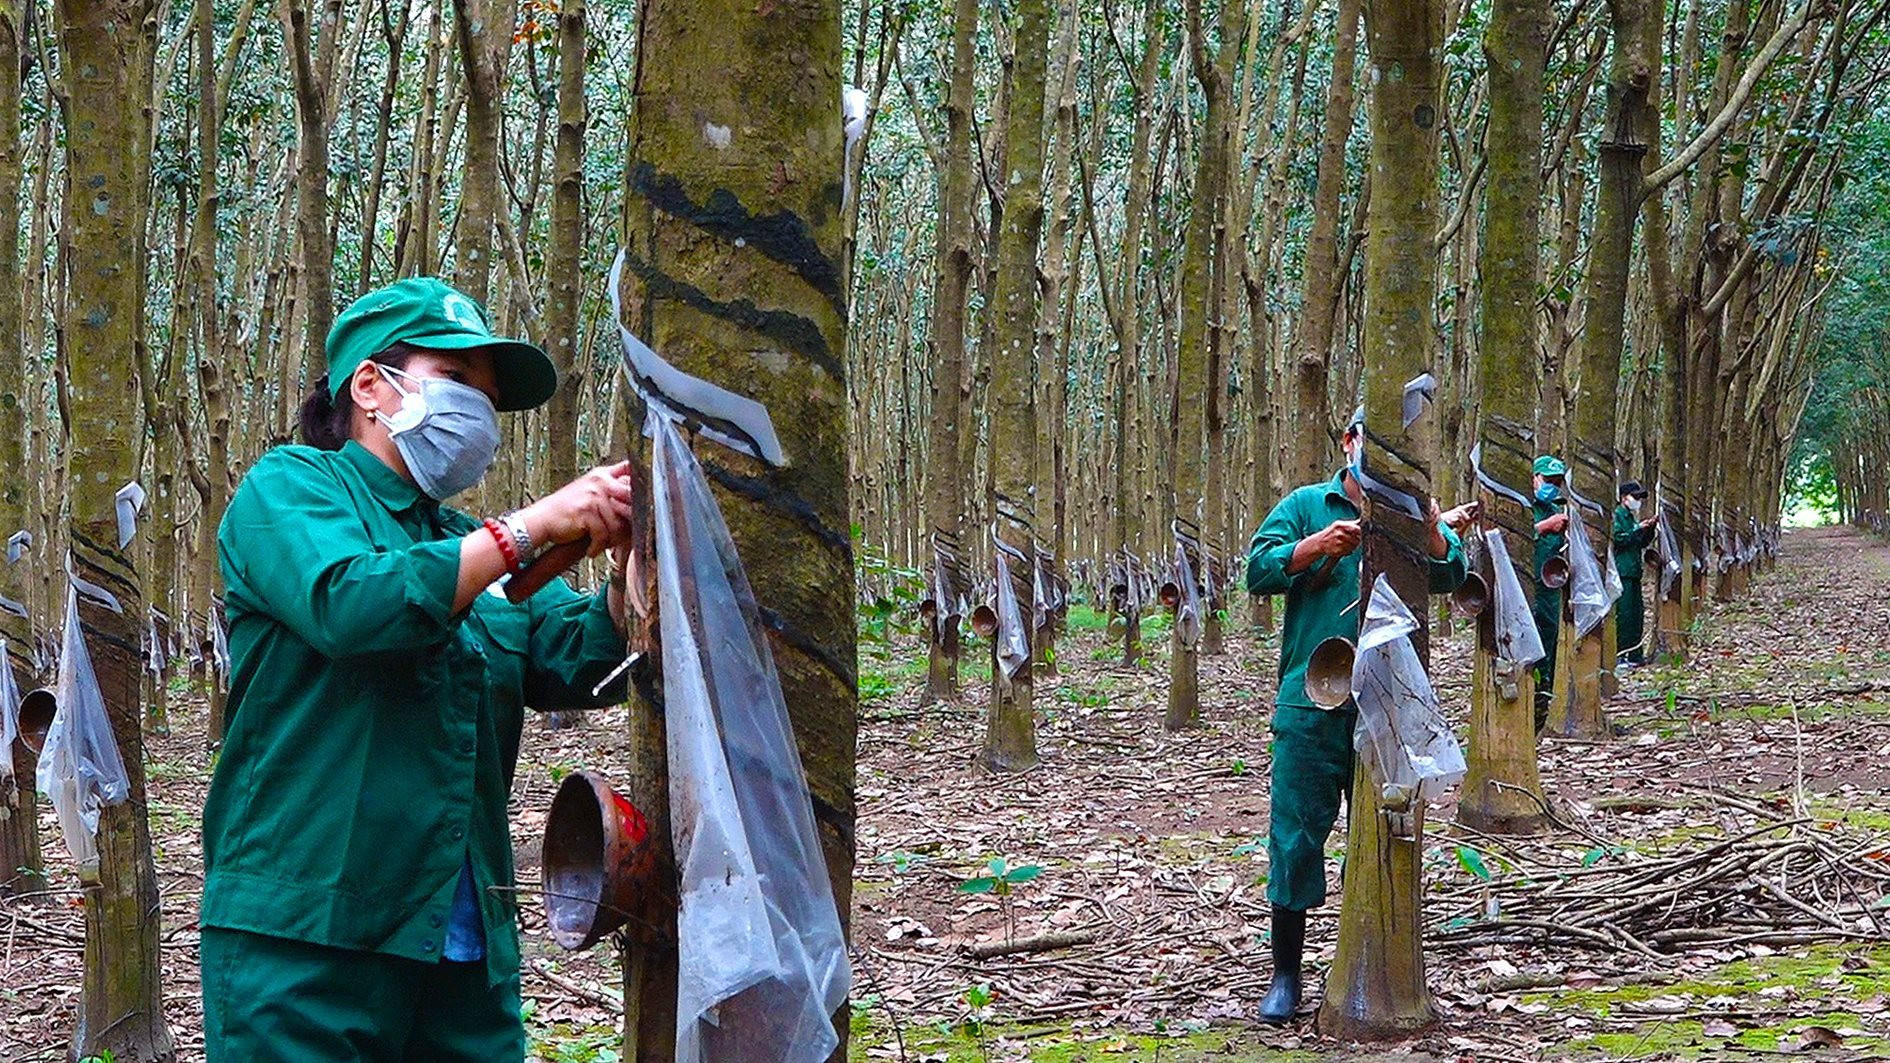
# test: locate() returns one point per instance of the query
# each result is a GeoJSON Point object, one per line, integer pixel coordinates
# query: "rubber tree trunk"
{"type": "Point", "coordinates": [1058, 282]}
{"type": "Point", "coordinates": [108, 49]}
{"type": "Point", "coordinates": [21, 867]}
{"type": "Point", "coordinates": [733, 273]}
{"type": "Point", "coordinates": [564, 268]}
{"type": "Point", "coordinates": [1502, 790]}
{"type": "Point", "coordinates": [1312, 416]}
{"type": "Point", "coordinates": [313, 64]}
{"type": "Point", "coordinates": [1197, 362]}
{"type": "Point", "coordinates": [1376, 988]}
{"type": "Point", "coordinates": [1010, 740]}
{"type": "Point", "coordinates": [1127, 310]}
{"type": "Point", "coordinates": [951, 381]}
{"type": "Point", "coordinates": [1593, 462]}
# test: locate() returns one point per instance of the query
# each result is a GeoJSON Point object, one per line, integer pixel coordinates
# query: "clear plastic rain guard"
{"type": "Point", "coordinates": [1517, 640]}
{"type": "Point", "coordinates": [1669, 554]}
{"type": "Point", "coordinates": [80, 771]}
{"type": "Point", "coordinates": [1588, 596]}
{"type": "Point", "coordinates": [1401, 728]}
{"type": "Point", "coordinates": [1013, 641]}
{"type": "Point", "coordinates": [763, 963]}
{"type": "Point", "coordinates": [9, 718]}
{"type": "Point", "coordinates": [1188, 617]}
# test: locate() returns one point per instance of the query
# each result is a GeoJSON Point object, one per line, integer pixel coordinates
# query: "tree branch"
{"type": "Point", "coordinates": [1736, 103]}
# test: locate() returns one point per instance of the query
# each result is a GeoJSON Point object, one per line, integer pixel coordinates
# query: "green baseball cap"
{"type": "Point", "coordinates": [427, 312]}
{"type": "Point", "coordinates": [1550, 465]}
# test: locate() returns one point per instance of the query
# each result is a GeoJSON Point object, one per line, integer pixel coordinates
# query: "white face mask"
{"type": "Point", "coordinates": [1633, 504]}
{"type": "Point", "coordinates": [447, 432]}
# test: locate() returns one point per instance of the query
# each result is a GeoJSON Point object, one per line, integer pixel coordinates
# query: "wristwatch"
{"type": "Point", "coordinates": [522, 539]}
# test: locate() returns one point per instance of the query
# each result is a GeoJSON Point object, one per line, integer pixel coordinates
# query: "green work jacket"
{"type": "Point", "coordinates": [373, 732]}
{"type": "Point", "coordinates": [1629, 540]}
{"type": "Point", "coordinates": [1314, 614]}
{"type": "Point", "coordinates": [1548, 544]}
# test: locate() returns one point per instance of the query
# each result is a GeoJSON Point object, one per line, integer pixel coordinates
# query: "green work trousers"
{"type": "Point", "coordinates": [1548, 614]}
{"type": "Point", "coordinates": [1629, 615]}
{"type": "Point", "coordinates": [1312, 774]}
{"type": "Point", "coordinates": [268, 999]}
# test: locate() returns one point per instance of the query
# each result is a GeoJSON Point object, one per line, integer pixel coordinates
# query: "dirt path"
{"type": "Point", "coordinates": [1155, 843]}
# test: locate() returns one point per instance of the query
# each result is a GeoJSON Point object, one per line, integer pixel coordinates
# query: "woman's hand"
{"type": "Point", "coordinates": [596, 504]}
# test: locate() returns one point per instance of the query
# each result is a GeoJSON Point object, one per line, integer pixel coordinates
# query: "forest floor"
{"type": "Point", "coordinates": [1738, 827]}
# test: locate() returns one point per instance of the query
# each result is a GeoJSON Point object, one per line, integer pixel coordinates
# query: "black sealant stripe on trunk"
{"type": "Point", "coordinates": [781, 236]}
{"type": "Point", "coordinates": [792, 331]}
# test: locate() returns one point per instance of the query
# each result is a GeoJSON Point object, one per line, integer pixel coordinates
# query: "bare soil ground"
{"type": "Point", "coordinates": [1154, 844]}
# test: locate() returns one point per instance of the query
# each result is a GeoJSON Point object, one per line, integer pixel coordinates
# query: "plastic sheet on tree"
{"type": "Point", "coordinates": [1188, 610]}
{"type": "Point", "coordinates": [1401, 729]}
{"type": "Point", "coordinates": [1669, 553]}
{"type": "Point", "coordinates": [763, 965]}
{"type": "Point", "coordinates": [1517, 640]}
{"type": "Point", "coordinates": [153, 646]}
{"type": "Point", "coordinates": [219, 642]}
{"type": "Point", "coordinates": [79, 768]}
{"type": "Point", "coordinates": [9, 717]}
{"type": "Point", "coordinates": [1013, 641]}
{"type": "Point", "coordinates": [1587, 592]}
{"type": "Point", "coordinates": [1610, 576]}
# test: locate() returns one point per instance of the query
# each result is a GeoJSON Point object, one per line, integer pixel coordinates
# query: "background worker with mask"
{"type": "Point", "coordinates": [358, 864]}
{"type": "Point", "coordinates": [1308, 549]}
{"type": "Point", "coordinates": [1551, 515]}
{"type": "Point", "coordinates": [1630, 536]}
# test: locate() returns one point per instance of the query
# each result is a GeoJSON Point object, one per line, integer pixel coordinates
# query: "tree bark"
{"type": "Point", "coordinates": [108, 48]}
{"type": "Point", "coordinates": [1010, 741]}
{"type": "Point", "coordinates": [313, 66]}
{"type": "Point", "coordinates": [483, 29]}
{"type": "Point", "coordinates": [951, 381]}
{"type": "Point", "coordinates": [1198, 358]}
{"type": "Point", "coordinates": [1127, 323]}
{"type": "Point", "coordinates": [732, 272]}
{"type": "Point", "coordinates": [22, 869]}
{"type": "Point", "coordinates": [394, 34]}
{"type": "Point", "coordinates": [1376, 988]}
{"type": "Point", "coordinates": [1312, 416]}
{"type": "Point", "coordinates": [1502, 785]}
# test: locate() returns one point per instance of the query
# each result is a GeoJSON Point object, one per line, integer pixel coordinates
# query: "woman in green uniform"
{"type": "Point", "coordinates": [1551, 516]}
{"type": "Point", "coordinates": [1631, 535]}
{"type": "Point", "coordinates": [358, 862]}
{"type": "Point", "coordinates": [1308, 549]}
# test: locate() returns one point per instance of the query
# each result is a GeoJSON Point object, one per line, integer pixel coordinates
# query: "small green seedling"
{"type": "Point", "coordinates": [1001, 880]}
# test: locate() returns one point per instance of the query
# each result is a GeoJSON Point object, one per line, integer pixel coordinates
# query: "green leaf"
{"type": "Point", "coordinates": [1019, 875]}
{"type": "Point", "coordinates": [1472, 861]}
{"type": "Point", "coordinates": [978, 885]}
{"type": "Point", "coordinates": [1593, 856]}
{"type": "Point", "coordinates": [996, 865]}
{"type": "Point", "coordinates": [978, 995]}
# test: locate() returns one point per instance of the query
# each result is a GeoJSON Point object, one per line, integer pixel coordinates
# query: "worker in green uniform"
{"type": "Point", "coordinates": [1631, 535]}
{"type": "Point", "coordinates": [357, 895]}
{"type": "Point", "coordinates": [1308, 549]}
{"type": "Point", "coordinates": [1550, 511]}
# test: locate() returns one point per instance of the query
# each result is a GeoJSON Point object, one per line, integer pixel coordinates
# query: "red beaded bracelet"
{"type": "Point", "coordinates": [507, 549]}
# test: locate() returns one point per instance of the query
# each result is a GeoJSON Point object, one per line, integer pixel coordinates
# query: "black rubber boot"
{"type": "Point", "coordinates": [1289, 947]}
